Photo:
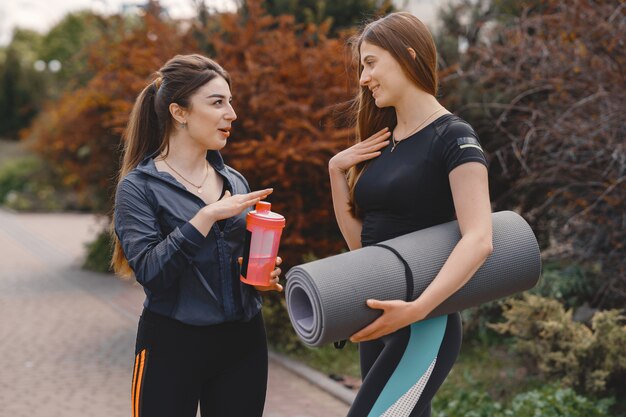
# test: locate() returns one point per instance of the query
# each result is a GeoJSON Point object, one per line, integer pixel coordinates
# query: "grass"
{"type": "Point", "coordinates": [331, 361]}
{"type": "Point", "coordinates": [491, 369]}
{"type": "Point", "coordinates": [11, 149]}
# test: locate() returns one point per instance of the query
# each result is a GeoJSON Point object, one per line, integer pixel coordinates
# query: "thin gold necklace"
{"type": "Point", "coordinates": [395, 142]}
{"type": "Point", "coordinates": [199, 187]}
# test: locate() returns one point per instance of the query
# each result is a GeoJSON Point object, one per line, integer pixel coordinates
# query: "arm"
{"type": "Point", "coordinates": [157, 260]}
{"type": "Point", "coordinates": [349, 226]}
{"type": "Point", "coordinates": [470, 193]}
{"type": "Point", "coordinates": [339, 164]}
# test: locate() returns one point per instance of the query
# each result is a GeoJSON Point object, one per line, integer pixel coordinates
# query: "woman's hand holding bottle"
{"type": "Point", "coordinates": [274, 277]}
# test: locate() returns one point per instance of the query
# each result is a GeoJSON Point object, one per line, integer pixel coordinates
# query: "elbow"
{"type": "Point", "coordinates": [482, 244]}
{"type": "Point", "coordinates": [486, 245]}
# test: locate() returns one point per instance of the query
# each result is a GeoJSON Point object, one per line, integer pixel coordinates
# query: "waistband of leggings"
{"type": "Point", "coordinates": [160, 319]}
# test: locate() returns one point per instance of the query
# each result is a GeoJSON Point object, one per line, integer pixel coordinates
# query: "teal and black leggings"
{"type": "Point", "coordinates": [222, 367]}
{"type": "Point", "coordinates": [402, 371]}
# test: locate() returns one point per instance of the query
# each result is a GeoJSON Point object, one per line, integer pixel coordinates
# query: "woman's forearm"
{"type": "Point", "coordinates": [349, 226]}
{"type": "Point", "coordinates": [203, 221]}
{"type": "Point", "coordinates": [466, 257]}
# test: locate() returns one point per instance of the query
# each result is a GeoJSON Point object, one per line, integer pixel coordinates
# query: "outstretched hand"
{"type": "Point", "coordinates": [396, 314]}
{"type": "Point", "coordinates": [362, 151]}
{"type": "Point", "coordinates": [232, 205]}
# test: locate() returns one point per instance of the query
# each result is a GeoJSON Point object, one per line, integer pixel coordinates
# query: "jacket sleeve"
{"type": "Point", "coordinates": [156, 260]}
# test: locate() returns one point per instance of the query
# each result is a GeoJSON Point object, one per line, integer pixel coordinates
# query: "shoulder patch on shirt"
{"type": "Point", "coordinates": [469, 142]}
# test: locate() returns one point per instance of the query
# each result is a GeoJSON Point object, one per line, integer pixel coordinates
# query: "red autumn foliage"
{"type": "Point", "coordinates": [287, 78]}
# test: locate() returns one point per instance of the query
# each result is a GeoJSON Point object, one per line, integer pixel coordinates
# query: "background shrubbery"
{"type": "Point", "coordinates": [588, 358]}
{"type": "Point", "coordinates": [549, 401]}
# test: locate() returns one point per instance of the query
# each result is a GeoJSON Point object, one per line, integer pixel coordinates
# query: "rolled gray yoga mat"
{"type": "Point", "coordinates": [326, 299]}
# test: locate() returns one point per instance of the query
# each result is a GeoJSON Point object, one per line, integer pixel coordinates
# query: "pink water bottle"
{"type": "Point", "coordinates": [263, 230]}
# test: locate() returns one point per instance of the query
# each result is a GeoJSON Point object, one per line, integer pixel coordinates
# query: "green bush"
{"type": "Point", "coordinates": [466, 403]}
{"type": "Point", "coordinates": [572, 285]}
{"type": "Point", "coordinates": [99, 253]}
{"type": "Point", "coordinates": [589, 359]}
{"type": "Point", "coordinates": [476, 322]}
{"type": "Point", "coordinates": [29, 184]}
{"type": "Point", "coordinates": [16, 175]}
{"type": "Point", "coordinates": [554, 401]}
{"type": "Point", "coordinates": [548, 401]}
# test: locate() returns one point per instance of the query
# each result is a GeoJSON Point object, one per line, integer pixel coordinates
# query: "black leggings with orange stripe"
{"type": "Point", "coordinates": [222, 367]}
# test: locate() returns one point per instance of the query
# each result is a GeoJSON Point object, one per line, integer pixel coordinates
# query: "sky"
{"type": "Point", "coordinates": [40, 15]}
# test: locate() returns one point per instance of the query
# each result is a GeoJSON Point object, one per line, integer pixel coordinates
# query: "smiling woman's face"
{"type": "Point", "coordinates": [211, 114]}
{"type": "Point", "coordinates": [382, 74]}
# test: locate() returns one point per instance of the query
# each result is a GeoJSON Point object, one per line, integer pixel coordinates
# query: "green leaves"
{"type": "Point", "coordinates": [589, 359]}
{"type": "Point", "coordinates": [548, 401]}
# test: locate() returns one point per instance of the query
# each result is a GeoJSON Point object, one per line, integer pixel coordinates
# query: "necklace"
{"type": "Point", "coordinates": [395, 142]}
{"type": "Point", "coordinates": [199, 187]}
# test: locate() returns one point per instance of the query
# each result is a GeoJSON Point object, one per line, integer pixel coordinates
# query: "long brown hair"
{"type": "Point", "coordinates": [150, 124]}
{"type": "Point", "coordinates": [394, 33]}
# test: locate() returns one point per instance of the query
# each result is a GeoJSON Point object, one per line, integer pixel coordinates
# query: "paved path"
{"type": "Point", "coordinates": [67, 335]}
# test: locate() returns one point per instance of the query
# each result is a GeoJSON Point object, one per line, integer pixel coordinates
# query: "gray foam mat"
{"type": "Point", "coordinates": [326, 298]}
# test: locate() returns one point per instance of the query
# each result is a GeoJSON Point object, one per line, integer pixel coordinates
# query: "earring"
{"type": "Point", "coordinates": [183, 125]}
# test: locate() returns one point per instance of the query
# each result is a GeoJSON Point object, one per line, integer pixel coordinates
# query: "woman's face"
{"type": "Point", "coordinates": [211, 114]}
{"type": "Point", "coordinates": [382, 74]}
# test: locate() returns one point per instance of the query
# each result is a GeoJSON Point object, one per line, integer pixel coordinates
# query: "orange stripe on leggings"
{"type": "Point", "coordinates": [137, 379]}
{"type": "Point", "coordinates": [132, 389]}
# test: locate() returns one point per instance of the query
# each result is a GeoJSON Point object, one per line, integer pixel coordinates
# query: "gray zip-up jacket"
{"type": "Point", "coordinates": [186, 276]}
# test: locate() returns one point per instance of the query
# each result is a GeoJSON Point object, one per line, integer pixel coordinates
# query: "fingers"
{"type": "Point", "coordinates": [364, 334]}
{"type": "Point", "coordinates": [258, 194]}
{"type": "Point", "coordinates": [273, 286]}
{"type": "Point", "coordinates": [254, 197]}
{"type": "Point", "coordinates": [367, 156]}
{"type": "Point", "coordinates": [373, 330]}
{"type": "Point", "coordinates": [380, 135]}
{"type": "Point", "coordinates": [376, 146]}
{"type": "Point", "coordinates": [377, 304]}
{"type": "Point", "coordinates": [279, 260]}
{"type": "Point", "coordinates": [275, 273]}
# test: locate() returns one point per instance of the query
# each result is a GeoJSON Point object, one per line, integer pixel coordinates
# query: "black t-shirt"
{"type": "Point", "coordinates": [408, 189]}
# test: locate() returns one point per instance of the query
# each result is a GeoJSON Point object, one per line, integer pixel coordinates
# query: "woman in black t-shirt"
{"type": "Point", "coordinates": [414, 165]}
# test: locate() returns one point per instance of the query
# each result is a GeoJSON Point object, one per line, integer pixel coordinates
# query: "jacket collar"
{"type": "Point", "coordinates": [213, 157]}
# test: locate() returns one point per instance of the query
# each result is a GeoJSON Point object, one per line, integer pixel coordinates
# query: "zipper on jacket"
{"type": "Point", "coordinates": [228, 303]}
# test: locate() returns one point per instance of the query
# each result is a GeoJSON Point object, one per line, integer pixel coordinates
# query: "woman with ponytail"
{"type": "Point", "coordinates": [415, 165]}
{"type": "Point", "coordinates": [179, 228]}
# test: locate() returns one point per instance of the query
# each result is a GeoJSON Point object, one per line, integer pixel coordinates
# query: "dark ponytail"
{"type": "Point", "coordinates": [143, 135]}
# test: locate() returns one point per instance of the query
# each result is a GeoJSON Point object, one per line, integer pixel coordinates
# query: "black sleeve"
{"type": "Point", "coordinates": [156, 261]}
{"type": "Point", "coordinates": [459, 144]}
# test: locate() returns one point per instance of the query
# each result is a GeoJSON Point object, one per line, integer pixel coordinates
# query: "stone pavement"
{"type": "Point", "coordinates": [67, 335]}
